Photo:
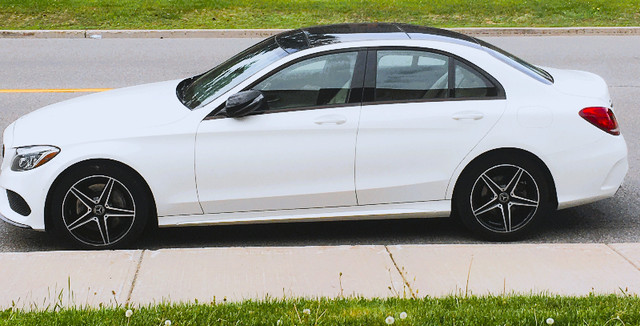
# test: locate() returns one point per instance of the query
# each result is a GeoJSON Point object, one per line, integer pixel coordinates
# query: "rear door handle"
{"type": "Point", "coordinates": [331, 119]}
{"type": "Point", "coordinates": [468, 115]}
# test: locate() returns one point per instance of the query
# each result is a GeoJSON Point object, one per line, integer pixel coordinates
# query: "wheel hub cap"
{"type": "Point", "coordinates": [503, 198]}
{"type": "Point", "coordinates": [99, 210]}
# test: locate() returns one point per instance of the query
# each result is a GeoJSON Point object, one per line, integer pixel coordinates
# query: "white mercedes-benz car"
{"type": "Point", "coordinates": [352, 121]}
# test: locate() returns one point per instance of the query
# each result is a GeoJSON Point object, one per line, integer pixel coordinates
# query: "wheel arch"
{"type": "Point", "coordinates": [511, 151]}
{"type": "Point", "coordinates": [97, 163]}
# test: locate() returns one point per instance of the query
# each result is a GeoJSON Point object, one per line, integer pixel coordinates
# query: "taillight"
{"type": "Point", "coordinates": [602, 118]}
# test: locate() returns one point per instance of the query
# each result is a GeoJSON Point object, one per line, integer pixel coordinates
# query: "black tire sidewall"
{"type": "Point", "coordinates": [468, 178]}
{"type": "Point", "coordinates": [128, 179]}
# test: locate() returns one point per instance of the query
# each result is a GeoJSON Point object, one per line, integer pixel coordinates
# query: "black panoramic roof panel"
{"type": "Point", "coordinates": [416, 32]}
{"type": "Point", "coordinates": [304, 38]}
{"type": "Point", "coordinates": [321, 35]}
{"type": "Point", "coordinates": [341, 33]}
{"type": "Point", "coordinates": [292, 41]}
{"type": "Point", "coordinates": [300, 39]}
{"type": "Point", "coordinates": [354, 28]}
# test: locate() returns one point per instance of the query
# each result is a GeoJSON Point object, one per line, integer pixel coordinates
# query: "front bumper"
{"type": "Point", "coordinates": [10, 214]}
{"type": "Point", "coordinates": [30, 189]}
{"type": "Point", "coordinates": [6, 220]}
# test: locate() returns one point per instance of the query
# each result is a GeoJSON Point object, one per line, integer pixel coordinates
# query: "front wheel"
{"type": "Point", "coordinates": [99, 207]}
{"type": "Point", "coordinates": [502, 197]}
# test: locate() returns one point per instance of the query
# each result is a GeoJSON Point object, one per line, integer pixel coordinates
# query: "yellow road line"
{"type": "Point", "coordinates": [56, 90]}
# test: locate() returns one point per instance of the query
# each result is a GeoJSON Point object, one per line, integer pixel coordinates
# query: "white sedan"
{"type": "Point", "coordinates": [352, 121]}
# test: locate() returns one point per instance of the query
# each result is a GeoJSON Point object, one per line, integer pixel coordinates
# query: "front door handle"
{"type": "Point", "coordinates": [468, 115]}
{"type": "Point", "coordinates": [331, 119]}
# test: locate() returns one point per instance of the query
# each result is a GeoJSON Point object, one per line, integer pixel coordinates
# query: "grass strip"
{"type": "Point", "coordinates": [223, 14]}
{"type": "Point", "coordinates": [454, 310]}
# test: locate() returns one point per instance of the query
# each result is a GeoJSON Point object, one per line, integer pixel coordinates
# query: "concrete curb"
{"type": "Point", "coordinates": [141, 277]}
{"type": "Point", "coordinates": [262, 33]}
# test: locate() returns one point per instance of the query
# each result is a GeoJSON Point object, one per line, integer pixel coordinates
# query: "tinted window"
{"type": "Point", "coordinates": [203, 89]}
{"type": "Point", "coordinates": [322, 80]}
{"type": "Point", "coordinates": [471, 83]}
{"type": "Point", "coordinates": [411, 75]}
{"type": "Point", "coordinates": [517, 63]}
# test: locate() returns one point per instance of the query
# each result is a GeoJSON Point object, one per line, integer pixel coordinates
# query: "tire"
{"type": "Point", "coordinates": [100, 206]}
{"type": "Point", "coordinates": [502, 197]}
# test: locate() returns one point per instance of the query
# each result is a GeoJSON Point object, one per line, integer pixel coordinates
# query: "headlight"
{"type": "Point", "coordinates": [31, 157]}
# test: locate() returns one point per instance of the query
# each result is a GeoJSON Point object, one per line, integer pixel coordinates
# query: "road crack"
{"type": "Point", "coordinates": [135, 278]}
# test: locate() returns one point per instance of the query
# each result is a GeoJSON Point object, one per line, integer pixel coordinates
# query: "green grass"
{"type": "Point", "coordinates": [492, 310]}
{"type": "Point", "coordinates": [169, 14]}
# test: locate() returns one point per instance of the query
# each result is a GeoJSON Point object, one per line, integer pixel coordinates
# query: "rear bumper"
{"type": "Point", "coordinates": [586, 176]}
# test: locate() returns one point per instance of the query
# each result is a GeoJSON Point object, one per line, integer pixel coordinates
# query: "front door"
{"type": "Point", "coordinates": [299, 153]}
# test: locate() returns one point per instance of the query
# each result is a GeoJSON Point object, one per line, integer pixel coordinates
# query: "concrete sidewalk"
{"type": "Point", "coordinates": [41, 280]}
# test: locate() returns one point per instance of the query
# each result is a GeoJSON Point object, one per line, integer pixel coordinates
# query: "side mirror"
{"type": "Point", "coordinates": [244, 103]}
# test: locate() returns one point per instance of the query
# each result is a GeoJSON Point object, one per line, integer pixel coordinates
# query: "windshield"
{"type": "Point", "coordinates": [531, 70]}
{"type": "Point", "coordinates": [198, 91]}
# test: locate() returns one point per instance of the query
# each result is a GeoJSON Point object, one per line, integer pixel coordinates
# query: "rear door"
{"type": "Point", "coordinates": [423, 113]}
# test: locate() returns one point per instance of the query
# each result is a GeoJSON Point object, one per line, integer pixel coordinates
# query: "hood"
{"type": "Point", "coordinates": [113, 114]}
{"type": "Point", "coordinates": [579, 83]}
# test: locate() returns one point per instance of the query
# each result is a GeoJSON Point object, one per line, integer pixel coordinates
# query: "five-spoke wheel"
{"type": "Point", "coordinates": [98, 210]}
{"type": "Point", "coordinates": [99, 206]}
{"type": "Point", "coordinates": [500, 197]}
{"type": "Point", "coordinates": [504, 198]}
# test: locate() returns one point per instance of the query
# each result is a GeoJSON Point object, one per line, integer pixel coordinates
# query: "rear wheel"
{"type": "Point", "coordinates": [100, 207]}
{"type": "Point", "coordinates": [502, 197]}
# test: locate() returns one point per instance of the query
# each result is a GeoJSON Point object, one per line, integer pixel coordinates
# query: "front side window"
{"type": "Point", "coordinates": [411, 75]}
{"type": "Point", "coordinates": [319, 81]}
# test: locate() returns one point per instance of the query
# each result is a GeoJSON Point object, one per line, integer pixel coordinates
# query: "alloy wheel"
{"type": "Point", "coordinates": [504, 198]}
{"type": "Point", "coordinates": [98, 210]}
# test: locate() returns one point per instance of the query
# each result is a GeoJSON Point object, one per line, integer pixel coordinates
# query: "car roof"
{"type": "Point", "coordinates": [308, 37]}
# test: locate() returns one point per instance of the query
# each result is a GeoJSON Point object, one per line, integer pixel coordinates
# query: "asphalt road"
{"type": "Point", "coordinates": [111, 63]}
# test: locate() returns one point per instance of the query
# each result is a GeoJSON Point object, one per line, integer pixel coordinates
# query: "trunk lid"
{"type": "Point", "coordinates": [580, 83]}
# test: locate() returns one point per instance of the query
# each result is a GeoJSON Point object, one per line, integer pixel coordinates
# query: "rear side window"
{"type": "Point", "coordinates": [411, 75]}
{"type": "Point", "coordinates": [471, 83]}
{"type": "Point", "coordinates": [415, 75]}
